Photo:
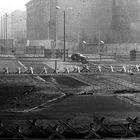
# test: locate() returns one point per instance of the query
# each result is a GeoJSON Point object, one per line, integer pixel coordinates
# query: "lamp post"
{"type": "Point", "coordinates": [78, 37]}
{"type": "Point", "coordinates": [64, 10]}
{"type": "Point", "coordinates": [100, 42]}
{"type": "Point", "coordinates": [5, 31]}
{"type": "Point", "coordinates": [84, 43]}
{"type": "Point", "coordinates": [64, 36]}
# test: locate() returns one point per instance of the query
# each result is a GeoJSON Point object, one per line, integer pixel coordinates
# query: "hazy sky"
{"type": "Point", "coordinates": [7, 6]}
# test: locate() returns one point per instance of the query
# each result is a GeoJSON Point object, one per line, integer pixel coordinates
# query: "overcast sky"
{"type": "Point", "coordinates": [7, 6]}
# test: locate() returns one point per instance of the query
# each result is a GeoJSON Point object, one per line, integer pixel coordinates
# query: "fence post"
{"type": "Point", "coordinates": [55, 66]}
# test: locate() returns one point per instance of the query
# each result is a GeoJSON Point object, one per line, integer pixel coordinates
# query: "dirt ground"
{"type": "Point", "coordinates": [22, 92]}
{"type": "Point", "coordinates": [25, 92]}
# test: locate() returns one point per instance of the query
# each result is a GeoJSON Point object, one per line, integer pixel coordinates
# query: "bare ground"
{"type": "Point", "coordinates": [22, 92]}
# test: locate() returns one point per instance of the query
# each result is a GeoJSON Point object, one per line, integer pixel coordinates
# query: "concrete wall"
{"type": "Point", "coordinates": [123, 48]}
{"type": "Point", "coordinates": [45, 43]}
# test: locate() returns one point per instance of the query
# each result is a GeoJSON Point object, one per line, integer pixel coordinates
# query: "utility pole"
{"type": "Point", "coordinates": [6, 32]}
{"type": "Point", "coordinates": [79, 28]}
{"type": "Point", "coordinates": [64, 50]}
{"type": "Point", "coordinates": [1, 27]}
{"type": "Point", "coordinates": [56, 22]}
{"type": "Point", "coordinates": [99, 43]}
{"type": "Point", "coordinates": [64, 36]}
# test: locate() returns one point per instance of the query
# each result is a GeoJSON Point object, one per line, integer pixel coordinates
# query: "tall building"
{"type": "Point", "coordinates": [89, 20]}
{"type": "Point", "coordinates": [83, 22]}
{"type": "Point", "coordinates": [40, 19]}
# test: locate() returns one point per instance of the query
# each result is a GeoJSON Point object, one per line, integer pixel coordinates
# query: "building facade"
{"type": "Point", "coordinates": [89, 20]}
{"type": "Point", "coordinates": [83, 22]}
{"type": "Point", "coordinates": [41, 19]}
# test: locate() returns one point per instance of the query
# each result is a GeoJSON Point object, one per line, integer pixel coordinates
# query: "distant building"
{"type": "Point", "coordinates": [41, 21]}
{"type": "Point", "coordinates": [18, 24]}
{"type": "Point", "coordinates": [14, 24]}
{"type": "Point", "coordinates": [5, 26]}
{"type": "Point", "coordinates": [13, 27]}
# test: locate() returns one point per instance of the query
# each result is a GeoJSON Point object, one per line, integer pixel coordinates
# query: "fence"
{"type": "Point", "coordinates": [100, 128]}
{"type": "Point", "coordinates": [55, 53]}
{"type": "Point", "coordinates": [123, 48]}
{"type": "Point", "coordinates": [33, 51]}
{"type": "Point", "coordinates": [115, 51]}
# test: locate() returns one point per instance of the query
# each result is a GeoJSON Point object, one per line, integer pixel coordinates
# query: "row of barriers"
{"type": "Point", "coordinates": [115, 68]}
{"type": "Point", "coordinates": [79, 69]}
{"type": "Point", "coordinates": [30, 70]}
{"type": "Point", "coordinates": [103, 68]}
{"type": "Point", "coordinates": [99, 127]}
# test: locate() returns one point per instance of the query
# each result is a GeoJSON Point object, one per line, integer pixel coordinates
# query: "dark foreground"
{"type": "Point", "coordinates": [79, 117]}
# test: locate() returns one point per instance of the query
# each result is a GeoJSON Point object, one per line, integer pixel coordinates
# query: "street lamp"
{"type": "Point", "coordinates": [84, 45]}
{"type": "Point", "coordinates": [64, 10]}
{"type": "Point", "coordinates": [100, 43]}
{"type": "Point", "coordinates": [84, 42]}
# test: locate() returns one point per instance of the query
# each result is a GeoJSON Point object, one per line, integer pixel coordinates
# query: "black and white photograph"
{"type": "Point", "coordinates": [69, 69]}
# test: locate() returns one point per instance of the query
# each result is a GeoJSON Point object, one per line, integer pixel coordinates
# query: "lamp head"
{"type": "Point", "coordinates": [58, 7]}
{"type": "Point", "coordinates": [69, 8]}
{"type": "Point", "coordinates": [84, 42]}
{"type": "Point", "coordinates": [102, 42]}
